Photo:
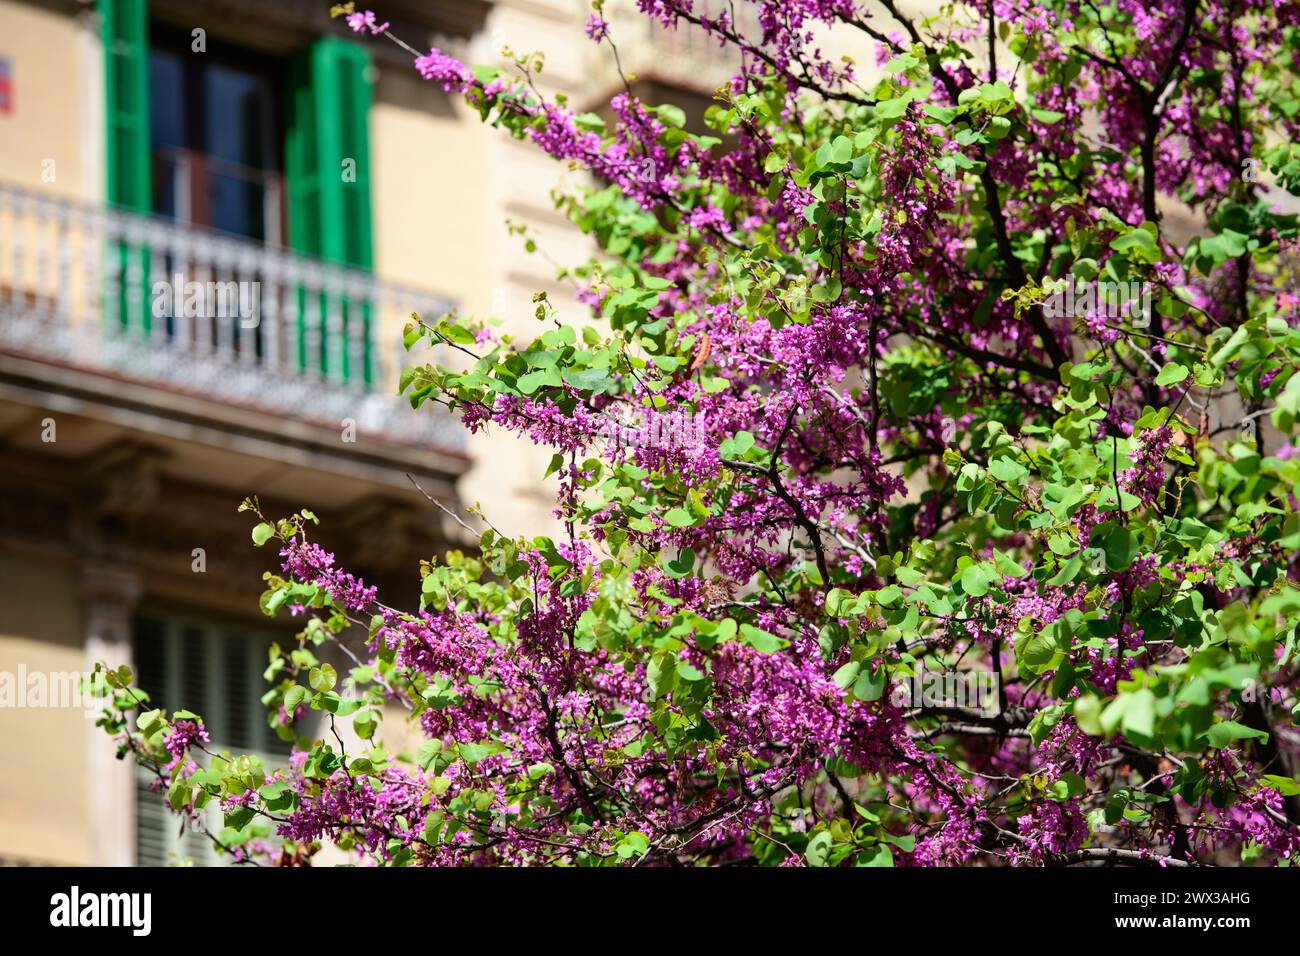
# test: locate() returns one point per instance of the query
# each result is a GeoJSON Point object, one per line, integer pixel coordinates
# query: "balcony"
{"type": "Point", "coordinates": [119, 300]}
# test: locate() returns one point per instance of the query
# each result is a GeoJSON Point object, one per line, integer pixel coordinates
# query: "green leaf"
{"type": "Point", "coordinates": [1007, 469]}
{"type": "Point", "coordinates": [892, 108]}
{"type": "Point", "coordinates": [880, 855]}
{"type": "Point", "coordinates": [1134, 713]}
{"type": "Point", "coordinates": [428, 753]}
{"type": "Point", "coordinates": [679, 518]}
{"type": "Point", "coordinates": [262, 533]}
{"type": "Point", "coordinates": [682, 565]}
{"type": "Point", "coordinates": [819, 849]}
{"type": "Point", "coordinates": [1117, 543]}
{"type": "Point", "coordinates": [1286, 786]}
{"type": "Point", "coordinates": [293, 697]}
{"type": "Point", "coordinates": [1042, 650]}
{"type": "Point", "coordinates": [323, 678]}
{"type": "Point", "coordinates": [870, 684]}
{"type": "Point", "coordinates": [975, 580]}
{"type": "Point", "coordinates": [761, 640]}
{"type": "Point", "coordinates": [532, 381]}
{"type": "Point", "coordinates": [1067, 786]}
{"type": "Point", "coordinates": [846, 675]}
{"type": "Point", "coordinates": [149, 722]}
{"type": "Point", "coordinates": [1140, 717]}
{"type": "Point", "coordinates": [1067, 573]}
{"type": "Point", "coordinates": [661, 674]}
{"type": "Point", "coordinates": [1087, 714]}
{"type": "Point", "coordinates": [1140, 243]}
{"type": "Point", "coordinates": [1228, 244]}
{"type": "Point", "coordinates": [1224, 733]}
{"type": "Point", "coordinates": [671, 115]}
{"type": "Point", "coordinates": [1172, 374]}
{"type": "Point", "coordinates": [1116, 803]}
{"type": "Point", "coordinates": [473, 753]}
{"type": "Point", "coordinates": [737, 445]}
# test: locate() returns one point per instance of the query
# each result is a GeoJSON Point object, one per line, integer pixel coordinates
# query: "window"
{"type": "Point", "coordinates": [216, 138]}
{"type": "Point", "coordinates": [216, 671]}
{"type": "Point", "coordinates": [275, 150]}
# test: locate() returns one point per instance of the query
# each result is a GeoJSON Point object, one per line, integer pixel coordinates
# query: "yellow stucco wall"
{"type": "Point", "coordinates": [55, 128]}
{"type": "Point", "coordinates": [50, 142]}
{"type": "Point", "coordinates": [43, 791]}
{"type": "Point", "coordinates": [431, 188]}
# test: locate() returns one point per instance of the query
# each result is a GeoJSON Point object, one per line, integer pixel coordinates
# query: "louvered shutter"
{"type": "Point", "coordinates": [329, 212]}
{"type": "Point", "coordinates": [125, 34]}
{"type": "Point", "coordinates": [124, 27]}
{"type": "Point", "coordinates": [216, 673]}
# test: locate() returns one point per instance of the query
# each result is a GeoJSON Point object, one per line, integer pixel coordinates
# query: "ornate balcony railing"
{"type": "Point", "coordinates": [142, 299]}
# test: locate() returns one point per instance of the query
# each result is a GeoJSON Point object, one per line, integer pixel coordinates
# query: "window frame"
{"type": "Point", "coordinates": [193, 207]}
{"type": "Point", "coordinates": [162, 838]}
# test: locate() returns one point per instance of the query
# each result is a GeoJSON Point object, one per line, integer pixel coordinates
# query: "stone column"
{"type": "Point", "coordinates": [109, 596]}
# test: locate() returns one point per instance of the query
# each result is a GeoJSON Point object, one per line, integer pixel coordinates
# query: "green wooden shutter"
{"type": "Point", "coordinates": [125, 25]}
{"type": "Point", "coordinates": [328, 134]}
{"type": "Point", "coordinates": [125, 35]}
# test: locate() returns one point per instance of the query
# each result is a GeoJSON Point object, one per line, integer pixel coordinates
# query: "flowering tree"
{"type": "Point", "coordinates": [890, 391]}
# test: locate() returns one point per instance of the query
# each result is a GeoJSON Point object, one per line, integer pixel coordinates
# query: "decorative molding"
{"type": "Point", "coordinates": [121, 481]}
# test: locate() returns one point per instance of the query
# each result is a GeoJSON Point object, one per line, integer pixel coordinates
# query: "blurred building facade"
{"type": "Point", "coordinates": [215, 218]}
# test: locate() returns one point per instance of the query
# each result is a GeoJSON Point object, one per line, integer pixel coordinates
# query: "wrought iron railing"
{"type": "Point", "coordinates": [147, 300]}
